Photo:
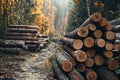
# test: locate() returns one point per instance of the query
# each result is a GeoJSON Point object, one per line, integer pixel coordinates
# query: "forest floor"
{"type": "Point", "coordinates": [28, 65]}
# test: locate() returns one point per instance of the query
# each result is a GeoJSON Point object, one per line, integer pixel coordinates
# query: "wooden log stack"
{"type": "Point", "coordinates": [89, 52]}
{"type": "Point", "coordinates": [25, 34]}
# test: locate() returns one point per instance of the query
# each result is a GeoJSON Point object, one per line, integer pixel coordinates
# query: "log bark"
{"type": "Point", "coordinates": [75, 75]}
{"type": "Point", "coordinates": [22, 31]}
{"type": "Point", "coordinates": [100, 42]}
{"type": "Point", "coordinates": [11, 45]}
{"type": "Point", "coordinates": [99, 60]}
{"type": "Point", "coordinates": [21, 38]}
{"type": "Point", "coordinates": [106, 74]}
{"type": "Point", "coordinates": [89, 42]}
{"type": "Point", "coordinates": [97, 34]}
{"type": "Point", "coordinates": [81, 67]}
{"type": "Point", "coordinates": [91, 52]}
{"type": "Point", "coordinates": [24, 26]}
{"type": "Point", "coordinates": [22, 34]}
{"type": "Point", "coordinates": [74, 43]}
{"type": "Point", "coordinates": [108, 54]}
{"type": "Point", "coordinates": [90, 74]}
{"type": "Point", "coordinates": [116, 28]}
{"type": "Point", "coordinates": [58, 72]}
{"type": "Point", "coordinates": [115, 22]}
{"type": "Point", "coordinates": [79, 55]}
{"type": "Point", "coordinates": [95, 17]}
{"type": "Point", "coordinates": [103, 22]}
{"type": "Point", "coordinates": [108, 46]}
{"type": "Point", "coordinates": [109, 35]}
{"type": "Point", "coordinates": [31, 43]}
{"type": "Point", "coordinates": [78, 33]}
{"type": "Point", "coordinates": [32, 47]}
{"type": "Point", "coordinates": [89, 62]}
{"type": "Point", "coordinates": [113, 64]}
{"type": "Point", "coordinates": [64, 61]}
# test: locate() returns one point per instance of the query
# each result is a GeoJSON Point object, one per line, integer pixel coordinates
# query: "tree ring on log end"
{"type": "Point", "coordinates": [108, 54]}
{"type": "Point", "coordinates": [103, 22]}
{"type": "Point", "coordinates": [91, 52]}
{"type": "Point", "coordinates": [67, 66]}
{"type": "Point", "coordinates": [89, 62]}
{"type": "Point", "coordinates": [99, 60]}
{"type": "Point", "coordinates": [83, 32]}
{"type": "Point", "coordinates": [91, 75]}
{"type": "Point", "coordinates": [81, 67]}
{"type": "Point", "coordinates": [113, 64]}
{"type": "Point", "coordinates": [100, 43]}
{"type": "Point", "coordinates": [109, 26]}
{"type": "Point", "coordinates": [81, 56]}
{"type": "Point", "coordinates": [98, 33]}
{"type": "Point", "coordinates": [109, 46]}
{"type": "Point", "coordinates": [92, 27]}
{"type": "Point", "coordinates": [89, 42]}
{"type": "Point", "coordinates": [110, 35]}
{"type": "Point", "coordinates": [77, 44]}
{"type": "Point", "coordinates": [96, 17]}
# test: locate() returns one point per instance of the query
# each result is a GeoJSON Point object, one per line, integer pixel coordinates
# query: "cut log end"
{"type": "Point", "coordinates": [89, 62]}
{"type": "Point", "coordinates": [113, 64]}
{"type": "Point", "coordinates": [103, 22]}
{"type": "Point", "coordinates": [77, 44]}
{"type": "Point", "coordinates": [83, 32]}
{"type": "Point", "coordinates": [98, 33]}
{"type": "Point", "coordinates": [67, 66]}
{"type": "Point", "coordinates": [109, 27]}
{"type": "Point", "coordinates": [110, 35]}
{"type": "Point", "coordinates": [116, 47]}
{"type": "Point", "coordinates": [89, 42]}
{"type": "Point", "coordinates": [91, 75]}
{"type": "Point", "coordinates": [81, 56]}
{"type": "Point", "coordinates": [99, 60]}
{"type": "Point", "coordinates": [109, 46]}
{"type": "Point", "coordinates": [100, 43]}
{"type": "Point", "coordinates": [91, 52]}
{"type": "Point", "coordinates": [114, 78]}
{"type": "Point", "coordinates": [92, 27]}
{"type": "Point", "coordinates": [81, 67]}
{"type": "Point", "coordinates": [108, 54]}
{"type": "Point", "coordinates": [96, 17]}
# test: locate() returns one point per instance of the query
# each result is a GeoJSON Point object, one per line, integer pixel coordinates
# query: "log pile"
{"type": "Point", "coordinates": [89, 52]}
{"type": "Point", "coordinates": [21, 36]}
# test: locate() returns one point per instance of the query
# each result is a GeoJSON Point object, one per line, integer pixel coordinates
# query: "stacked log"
{"type": "Point", "coordinates": [26, 34]}
{"type": "Point", "coordinates": [89, 52]}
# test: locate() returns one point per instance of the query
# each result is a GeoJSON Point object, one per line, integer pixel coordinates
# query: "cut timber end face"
{"type": "Point", "coordinates": [77, 44]}
{"type": "Point", "coordinates": [89, 42]}
{"type": "Point", "coordinates": [98, 33]}
{"type": "Point", "coordinates": [81, 67]}
{"type": "Point", "coordinates": [91, 52]}
{"type": "Point", "coordinates": [109, 27]}
{"type": "Point", "coordinates": [89, 62]}
{"type": "Point", "coordinates": [96, 17]}
{"type": "Point", "coordinates": [113, 64]}
{"type": "Point", "coordinates": [116, 47]}
{"type": "Point", "coordinates": [110, 35]}
{"type": "Point", "coordinates": [92, 27]}
{"type": "Point", "coordinates": [83, 32]}
{"type": "Point", "coordinates": [99, 60]}
{"type": "Point", "coordinates": [67, 66]}
{"type": "Point", "coordinates": [103, 22]}
{"type": "Point", "coordinates": [81, 56]}
{"type": "Point", "coordinates": [91, 75]}
{"type": "Point", "coordinates": [100, 43]}
{"type": "Point", "coordinates": [108, 54]}
{"type": "Point", "coordinates": [109, 46]}
{"type": "Point", "coordinates": [114, 78]}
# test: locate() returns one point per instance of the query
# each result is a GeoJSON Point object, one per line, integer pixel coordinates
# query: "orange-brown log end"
{"type": "Point", "coordinates": [83, 32]}
{"type": "Point", "coordinates": [109, 27]}
{"type": "Point", "coordinates": [114, 78]}
{"type": "Point", "coordinates": [91, 75]}
{"type": "Point", "coordinates": [103, 22]}
{"type": "Point", "coordinates": [100, 43]}
{"type": "Point", "coordinates": [92, 27]}
{"type": "Point", "coordinates": [113, 64]}
{"type": "Point", "coordinates": [81, 56]}
{"type": "Point", "coordinates": [99, 60]}
{"type": "Point", "coordinates": [108, 54]}
{"type": "Point", "coordinates": [89, 42]}
{"type": "Point", "coordinates": [117, 47]}
{"type": "Point", "coordinates": [67, 66]}
{"type": "Point", "coordinates": [89, 62]}
{"type": "Point", "coordinates": [109, 46]}
{"type": "Point", "coordinates": [77, 44]}
{"type": "Point", "coordinates": [98, 33]}
{"type": "Point", "coordinates": [96, 17]}
{"type": "Point", "coordinates": [91, 52]}
{"type": "Point", "coordinates": [110, 35]}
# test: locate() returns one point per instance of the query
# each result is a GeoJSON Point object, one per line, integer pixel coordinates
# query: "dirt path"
{"type": "Point", "coordinates": [35, 66]}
